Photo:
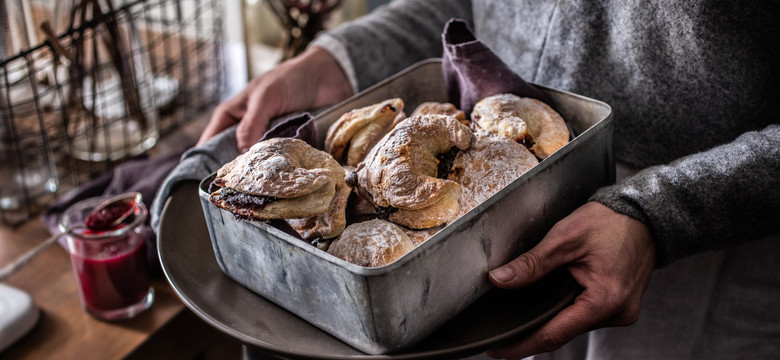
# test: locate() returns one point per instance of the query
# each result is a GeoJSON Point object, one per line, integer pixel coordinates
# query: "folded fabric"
{"type": "Point", "coordinates": [142, 174]}
{"type": "Point", "coordinates": [296, 126]}
{"type": "Point", "coordinates": [472, 71]}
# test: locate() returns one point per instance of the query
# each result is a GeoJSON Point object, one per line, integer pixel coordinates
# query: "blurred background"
{"type": "Point", "coordinates": [88, 84]}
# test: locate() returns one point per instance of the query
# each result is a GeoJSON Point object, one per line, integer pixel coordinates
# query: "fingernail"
{"type": "Point", "coordinates": [244, 149]}
{"type": "Point", "coordinates": [502, 274]}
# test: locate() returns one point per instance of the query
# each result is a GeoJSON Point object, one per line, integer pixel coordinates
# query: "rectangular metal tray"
{"type": "Point", "coordinates": [382, 310]}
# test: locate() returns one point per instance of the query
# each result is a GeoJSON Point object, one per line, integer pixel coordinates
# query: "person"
{"type": "Point", "coordinates": [685, 246]}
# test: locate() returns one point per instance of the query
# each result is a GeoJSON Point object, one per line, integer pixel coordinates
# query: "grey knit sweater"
{"type": "Point", "coordinates": [693, 86]}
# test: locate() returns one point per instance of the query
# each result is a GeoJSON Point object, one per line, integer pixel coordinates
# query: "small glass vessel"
{"type": "Point", "coordinates": [110, 266]}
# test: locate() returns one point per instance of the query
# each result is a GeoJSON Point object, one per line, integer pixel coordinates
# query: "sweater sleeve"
{"type": "Point", "coordinates": [391, 38]}
{"type": "Point", "coordinates": [722, 197]}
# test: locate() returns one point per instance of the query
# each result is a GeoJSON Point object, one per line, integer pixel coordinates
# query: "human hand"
{"type": "Point", "coordinates": [311, 80]}
{"type": "Point", "coordinates": [610, 255]}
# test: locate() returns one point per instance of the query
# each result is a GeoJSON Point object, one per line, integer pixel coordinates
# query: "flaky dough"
{"type": "Point", "coordinates": [358, 130]}
{"type": "Point", "coordinates": [490, 164]}
{"type": "Point", "coordinates": [371, 243]}
{"type": "Point", "coordinates": [432, 107]}
{"type": "Point", "coordinates": [400, 171]}
{"type": "Point", "coordinates": [300, 177]}
{"type": "Point", "coordinates": [525, 120]}
{"type": "Point", "coordinates": [331, 223]}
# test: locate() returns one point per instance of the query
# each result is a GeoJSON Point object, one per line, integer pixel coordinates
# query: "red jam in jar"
{"type": "Point", "coordinates": [115, 278]}
{"type": "Point", "coordinates": [110, 265]}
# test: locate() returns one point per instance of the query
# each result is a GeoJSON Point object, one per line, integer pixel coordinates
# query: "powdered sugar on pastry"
{"type": "Point", "coordinates": [279, 178]}
{"type": "Point", "coordinates": [525, 120]}
{"type": "Point", "coordinates": [491, 163]}
{"type": "Point", "coordinates": [371, 243]}
{"type": "Point", "coordinates": [281, 167]}
{"type": "Point", "coordinates": [441, 109]}
{"type": "Point", "coordinates": [400, 171]}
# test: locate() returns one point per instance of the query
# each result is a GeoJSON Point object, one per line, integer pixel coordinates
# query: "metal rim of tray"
{"type": "Point", "coordinates": [189, 264]}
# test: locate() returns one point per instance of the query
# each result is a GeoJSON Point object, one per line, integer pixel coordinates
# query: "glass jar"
{"type": "Point", "coordinates": [110, 266]}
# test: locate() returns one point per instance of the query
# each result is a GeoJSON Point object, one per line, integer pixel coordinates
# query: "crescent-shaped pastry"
{"type": "Point", "coordinates": [525, 120]}
{"type": "Point", "coordinates": [278, 178]}
{"type": "Point", "coordinates": [490, 164]}
{"type": "Point", "coordinates": [371, 243]}
{"type": "Point", "coordinates": [400, 172]}
{"type": "Point", "coordinates": [432, 107]}
{"type": "Point", "coordinates": [357, 131]}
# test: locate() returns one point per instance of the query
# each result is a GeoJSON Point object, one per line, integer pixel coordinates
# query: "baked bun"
{"type": "Point", "coordinates": [279, 178]}
{"type": "Point", "coordinates": [371, 243]}
{"type": "Point", "coordinates": [490, 164]}
{"type": "Point", "coordinates": [400, 172]}
{"type": "Point", "coordinates": [357, 131]}
{"type": "Point", "coordinates": [432, 107]}
{"type": "Point", "coordinates": [525, 120]}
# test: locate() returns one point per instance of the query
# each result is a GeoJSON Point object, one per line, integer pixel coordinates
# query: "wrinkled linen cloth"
{"type": "Point", "coordinates": [692, 86]}
{"type": "Point", "coordinates": [473, 72]}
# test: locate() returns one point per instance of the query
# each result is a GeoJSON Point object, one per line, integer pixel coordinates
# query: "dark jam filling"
{"type": "Point", "coordinates": [321, 243]}
{"type": "Point", "coordinates": [351, 179]}
{"type": "Point", "coordinates": [242, 205]}
{"type": "Point", "coordinates": [383, 212]}
{"type": "Point", "coordinates": [445, 162]}
{"type": "Point", "coordinates": [526, 141]}
{"type": "Point", "coordinates": [236, 198]}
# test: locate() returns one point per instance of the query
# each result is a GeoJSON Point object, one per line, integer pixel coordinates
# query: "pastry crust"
{"type": "Point", "coordinates": [400, 171]}
{"type": "Point", "coordinates": [525, 120]}
{"type": "Point", "coordinates": [299, 180]}
{"type": "Point", "coordinates": [371, 243]}
{"type": "Point", "coordinates": [420, 236]}
{"type": "Point", "coordinates": [331, 223]}
{"type": "Point", "coordinates": [358, 130]}
{"type": "Point", "coordinates": [433, 107]}
{"type": "Point", "coordinates": [490, 164]}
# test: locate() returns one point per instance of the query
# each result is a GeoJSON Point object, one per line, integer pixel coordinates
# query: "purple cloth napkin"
{"type": "Point", "coordinates": [297, 126]}
{"type": "Point", "coordinates": [472, 71]}
{"type": "Point", "coordinates": [143, 174]}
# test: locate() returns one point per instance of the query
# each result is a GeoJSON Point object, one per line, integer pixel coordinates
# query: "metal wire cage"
{"type": "Point", "coordinates": [105, 89]}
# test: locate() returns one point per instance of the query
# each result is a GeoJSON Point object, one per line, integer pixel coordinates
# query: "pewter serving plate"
{"type": "Point", "coordinates": [387, 309]}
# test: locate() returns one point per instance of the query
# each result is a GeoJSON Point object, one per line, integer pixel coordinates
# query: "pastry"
{"type": "Point", "coordinates": [351, 137]}
{"type": "Point", "coordinates": [371, 243]}
{"type": "Point", "coordinates": [525, 120]}
{"type": "Point", "coordinates": [279, 178]}
{"type": "Point", "coordinates": [400, 172]}
{"type": "Point", "coordinates": [490, 164]}
{"type": "Point", "coordinates": [420, 236]}
{"type": "Point", "coordinates": [331, 223]}
{"type": "Point", "coordinates": [432, 107]}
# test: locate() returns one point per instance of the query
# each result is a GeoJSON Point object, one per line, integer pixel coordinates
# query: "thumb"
{"type": "Point", "coordinates": [529, 267]}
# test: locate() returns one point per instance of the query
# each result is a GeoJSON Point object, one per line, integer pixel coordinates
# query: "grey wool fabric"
{"type": "Point", "coordinates": [682, 78]}
{"type": "Point", "coordinates": [694, 87]}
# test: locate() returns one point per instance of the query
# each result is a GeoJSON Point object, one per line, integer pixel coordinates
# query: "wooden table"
{"type": "Point", "coordinates": [168, 330]}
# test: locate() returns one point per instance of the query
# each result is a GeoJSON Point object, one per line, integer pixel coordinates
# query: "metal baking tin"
{"type": "Point", "coordinates": [382, 310]}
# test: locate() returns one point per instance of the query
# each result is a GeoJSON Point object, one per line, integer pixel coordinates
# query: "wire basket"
{"type": "Point", "coordinates": [104, 90]}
